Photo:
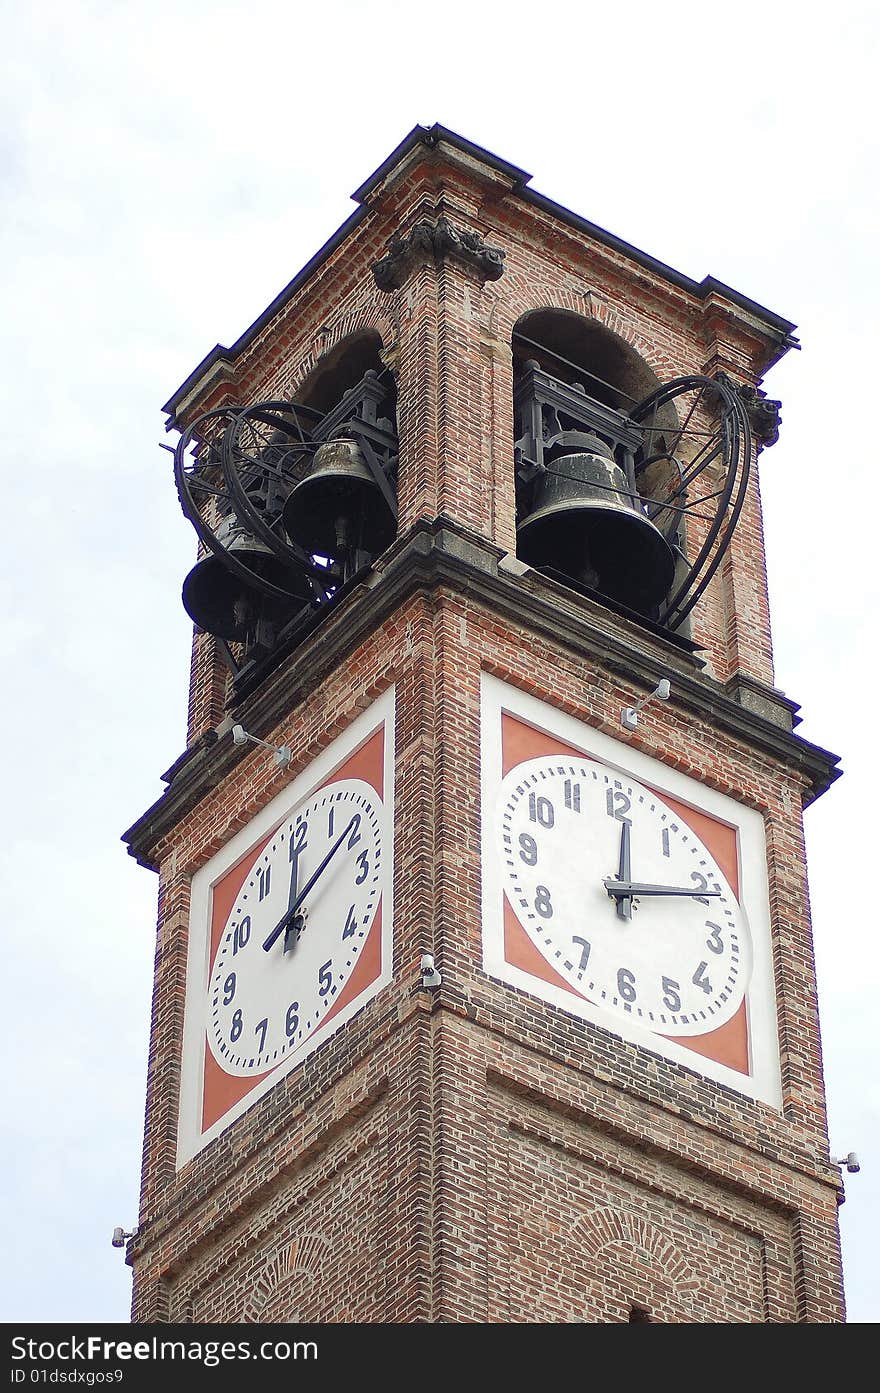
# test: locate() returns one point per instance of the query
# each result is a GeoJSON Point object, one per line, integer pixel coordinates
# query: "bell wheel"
{"type": "Point", "coordinates": [692, 473]}
{"type": "Point", "coordinates": [229, 497]}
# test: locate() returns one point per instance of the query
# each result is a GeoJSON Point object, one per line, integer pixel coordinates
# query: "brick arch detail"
{"type": "Point", "coordinates": [293, 1267]}
{"type": "Point", "coordinates": [544, 295]}
{"type": "Point", "coordinates": [352, 321]}
{"type": "Point", "coordinates": [608, 1227]}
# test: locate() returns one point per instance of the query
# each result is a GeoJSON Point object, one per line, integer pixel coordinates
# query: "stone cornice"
{"type": "Point", "coordinates": [441, 555]}
{"type": "Point", "coordinates": [716, 297]}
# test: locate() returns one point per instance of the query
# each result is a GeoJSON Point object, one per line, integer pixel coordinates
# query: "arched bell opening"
{"type": "Point", "coordinates": [290, 498]}
{"type": "Point", "coordinates": [583, 354]}
{"type": "Point", "coordinates": [344, 507]}
{"type": "Point", "coordinates": [343, 367]}
{"type": "Point", "coordinates": [584, 512]}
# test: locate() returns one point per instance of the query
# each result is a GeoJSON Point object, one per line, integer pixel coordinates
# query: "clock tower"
{"type": "Point", "coordinates": [484, 987]}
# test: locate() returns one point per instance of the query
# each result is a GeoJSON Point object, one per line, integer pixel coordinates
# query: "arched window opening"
{"type": "Point", "coordinates": [583, 353]}
{"type": "Point", "coordinates": [292, 499]}
{"type": "Point", "coordinates": [343, 369]}
{"type": "Point", "coordinates": [343, 511]}
{"type": "Point", "coordinates": [587, 473]}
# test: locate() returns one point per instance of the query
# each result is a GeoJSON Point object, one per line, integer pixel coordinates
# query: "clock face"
{"type": "Point", "coordinates": [290, 928]}
{"type": "Point", "coordinates": [297, 928]}
{"type": "Point", "coordinates": [620, 890]}
{"type": "Point", "coordinates": [621, 896]}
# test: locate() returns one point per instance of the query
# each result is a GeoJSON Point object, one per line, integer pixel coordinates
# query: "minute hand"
{"type": "Point", "coordinates": [291, 913]}
{"type": "Point", "coordinates": [620, 888]}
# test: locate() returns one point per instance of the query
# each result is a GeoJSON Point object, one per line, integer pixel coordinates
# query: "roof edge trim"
{"type": "Point", "coordinates": [430, 137]}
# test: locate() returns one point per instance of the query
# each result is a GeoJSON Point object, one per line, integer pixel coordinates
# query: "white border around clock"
{"type": "Point", "coordinates": [497, 697]}
{"type": "Point", "coordinates": [190, 1138]}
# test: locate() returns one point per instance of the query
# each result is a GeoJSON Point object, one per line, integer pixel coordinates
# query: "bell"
{"type": "Point", "coordinates": [339, 506]}
{"type": "Point", "coordinates": [221, 602]}
{"type": "Point", "coordinates": [584, 523]}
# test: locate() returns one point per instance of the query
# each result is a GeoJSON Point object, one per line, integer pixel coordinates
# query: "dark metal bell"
{"type": "Point", "coordinates": [339, 506]}
{"type": "Point", "coordinates": [585, 523]}
{"type": "Point", "coordinates": [221, 602]}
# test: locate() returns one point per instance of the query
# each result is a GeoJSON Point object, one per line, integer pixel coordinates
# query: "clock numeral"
{"type": "Point", "coordinates": [325, 977]}
{"type": "Point", "coordinates": [350, 924]}
{"type": "Point", "coordinates": [572, 796]}
{"type": "Point", "coordinates": [702, 884]}
{"type": "Point", "coordinates": [364, 863]}
{"type": "Point", "coordinates": [236, 1028]}
{"type": "Point", "coordinates": [541, 810]}
{"type": "Point", "coordinates": [714, 942]}
{"type": "Point", "coordinates": [260, 1029]}
{"type": "Point", "coordinates": [700, 981]}
{"type": "Point", "coordinates": [617, 804]}
{"type": "Point", "coordinates": [664, 842]}
{"type": "Point", "coordinates": [528, 849]}
{"type": "Point", "coordinates": [264, 878]}
{"type": "Point", "coordinates": [671, 997]}
{"type": "Point", "coordinates": [229, 989]}
{"type": "Point", "coordinates": [298, 841]}
{"type": "Point", "coordinates": [355, 834]}
{"type": "Point", "coordinates": [585, 953]}
{"type": "Point", "coordinates": [241, 934]}
{"type": "Point", "coordinates": [542, 902]}
{"type": "Point", "coordinates": [292, 1022]}
{"type": "Point", "coordinates": [626, 984]}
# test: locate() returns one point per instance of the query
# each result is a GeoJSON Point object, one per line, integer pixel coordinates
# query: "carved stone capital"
{"type": "Point", "coordinates": [435, 241]}
{"type": "Point", "coordinates": [764, 415]}
{"type": "Point", "coordinates": [763, 412]}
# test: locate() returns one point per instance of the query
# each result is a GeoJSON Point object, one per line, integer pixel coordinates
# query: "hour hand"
{"type": "Point", "coordinates": [292, 922]}
{"type": "Point", "coordinates": [288, 925]}
{"type": "Point", "coordinates": [624, 902]}
{"type": "Point", "coordinates": [623, 889]}
{"type": "Point", "coordinates": [286, 921]}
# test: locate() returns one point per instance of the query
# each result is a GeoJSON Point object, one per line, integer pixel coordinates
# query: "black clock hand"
{"type": "Point", "coordinates": [294, 920]}
{"type": "Point", "coordinates": [624, 902]}
{"type": "Point", "coordinates": [626, 888]}
{"type": "Point", "coordinates": [287, 918]}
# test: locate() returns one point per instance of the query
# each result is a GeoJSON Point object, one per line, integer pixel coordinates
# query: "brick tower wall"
{"type": "Point", "coordinates": [475, 1154]}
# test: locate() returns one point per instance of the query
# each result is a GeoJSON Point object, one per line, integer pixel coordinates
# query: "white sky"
{"type": "Point", "coordinates": [166, 169]}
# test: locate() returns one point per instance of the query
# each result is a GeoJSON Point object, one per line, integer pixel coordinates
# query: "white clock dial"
{"type": "Point", "coordinates": [296, 929]}
{"type": "Point", "coordinates": [620, 896]}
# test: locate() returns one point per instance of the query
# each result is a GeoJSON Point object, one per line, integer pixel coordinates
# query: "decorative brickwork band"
{"type": "Point", "coordinates": [434, 241]}
{"type": "Point", "coordinates": [286, 1280]}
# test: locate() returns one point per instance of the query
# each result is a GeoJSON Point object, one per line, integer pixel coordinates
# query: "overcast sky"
{"type": "Point", "coordinates": [166, 170]}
